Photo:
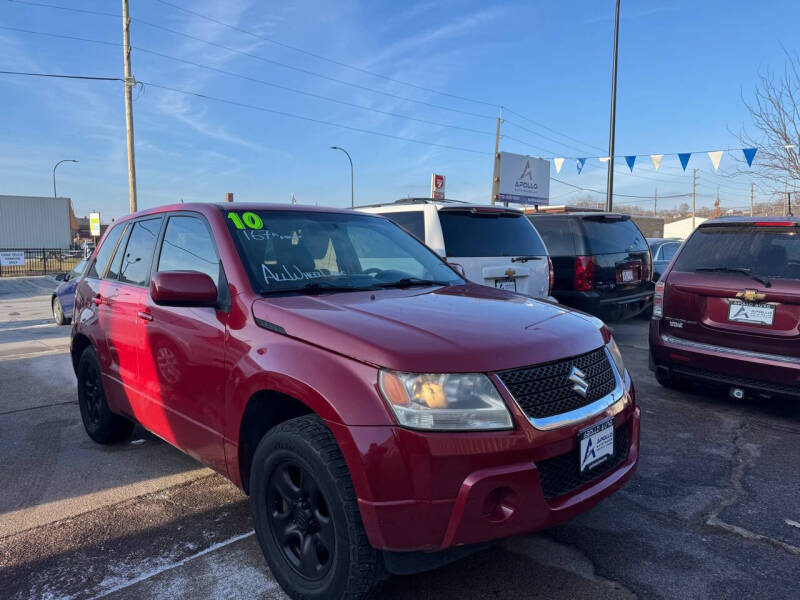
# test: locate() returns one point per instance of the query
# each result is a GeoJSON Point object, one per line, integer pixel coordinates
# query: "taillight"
{"type": "Point", "coordinates": [658, 300]}
{"type": "Point", "coordinates": [584, 273]}
{"type": "Point", "coordinates": [552, 276]}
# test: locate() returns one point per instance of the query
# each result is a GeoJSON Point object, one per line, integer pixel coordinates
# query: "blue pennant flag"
{"type": "Point", "coordinates": [684, 158]}
{"type": "Point", "coordinates": [581, 162]}
{"type": "Point", "coordinates": [630, 160]}
{"type": "Point", "coordinates": [749, 155]}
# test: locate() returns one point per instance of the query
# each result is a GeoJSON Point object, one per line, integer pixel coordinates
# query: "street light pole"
{"type": "Point", "coordinates": [352, 201]}
{"type": "Point", "coordinates": [610, 185]}
{"type": "Point", "coordinates": [55, 195]}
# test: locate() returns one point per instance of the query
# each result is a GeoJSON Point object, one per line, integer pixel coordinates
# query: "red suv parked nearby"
{"type": "Point", "coordinates": [727, 309]}
{"type": "Point", "coordinates": [380, 410]}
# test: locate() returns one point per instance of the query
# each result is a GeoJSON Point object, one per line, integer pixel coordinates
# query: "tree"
{"type": "Point", "coordinates": [775, 113]}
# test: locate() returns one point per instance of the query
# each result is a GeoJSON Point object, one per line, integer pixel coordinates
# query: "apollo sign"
{"type": "Point", "coordinates": [524, 179]}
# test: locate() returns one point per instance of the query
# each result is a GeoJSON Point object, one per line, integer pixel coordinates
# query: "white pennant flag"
{"type": "Point", "coordinates": [715, 157]}
{"type": "Point", "coordinates": [558, 162]}
{"type": "Point", "coordinates": [605, 158]}
{"type": "Point", "coordinates": [656, 158]}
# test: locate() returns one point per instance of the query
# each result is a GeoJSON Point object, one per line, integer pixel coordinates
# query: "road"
{"type": "Point", "coordinates": [713, 511]}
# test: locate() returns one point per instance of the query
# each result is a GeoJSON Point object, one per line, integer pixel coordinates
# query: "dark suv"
{"type": "Point", "coordinates": [727, 310]}
{"type": "Point", "coordinates": [601, 261]}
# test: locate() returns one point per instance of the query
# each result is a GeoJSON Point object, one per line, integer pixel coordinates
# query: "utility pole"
{"type": "Point", "coordinates": [129, 83]}
{"type": "Point", "coordinates": [751, 199]}
{"type": "Point", "coordinates": [610, 185]}
{"type": "Point", "coordinates": [496, 174]}
{"type": "Point", "coordinates": [786, 196]}
{"type": "Point", "coordinates": [694, 189]}
{"type": "Point", "coordinates": [655, 203]}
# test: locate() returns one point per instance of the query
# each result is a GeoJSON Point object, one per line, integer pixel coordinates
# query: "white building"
{"type": "Point", "coordinates": [681, 229]}
{"type": "Point", "coordinates": [34, 222]}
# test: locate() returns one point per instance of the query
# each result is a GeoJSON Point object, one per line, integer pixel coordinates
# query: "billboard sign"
{"type": "Point", "coordinates": [94, 224]}
{"type": "Point", "coordinates": [437, 186]}
{"type": "Point", "coordinates": [12, 259]}
{"type": "Point", "coordinates": [524, 179]}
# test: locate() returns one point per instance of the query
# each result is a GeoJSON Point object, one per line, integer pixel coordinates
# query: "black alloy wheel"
{"type": "Point", "coordinates": [102, 425]}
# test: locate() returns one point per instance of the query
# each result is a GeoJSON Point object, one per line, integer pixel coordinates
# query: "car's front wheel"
{"type": "Point", "coordinates": [102, 425]}
{"type": "Point", "coordinates": [306, 515]}
{"type": "Point", "coordinates": [58, 313]}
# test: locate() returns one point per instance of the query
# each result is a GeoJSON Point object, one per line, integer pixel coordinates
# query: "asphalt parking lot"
{"type": "Point", "coordinates": [713, 511]}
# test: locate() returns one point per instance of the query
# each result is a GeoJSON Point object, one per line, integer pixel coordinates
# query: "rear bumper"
{"type": "Point", "coordinates": [473, 516]}
{"type": "Point", "coordinates": [596, 303]}
{"type": "Point", "coordinates": [716, 364]}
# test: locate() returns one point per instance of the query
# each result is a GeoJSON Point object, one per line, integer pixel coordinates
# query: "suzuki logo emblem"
{"type": "Point", "coordinates": [578, 377]}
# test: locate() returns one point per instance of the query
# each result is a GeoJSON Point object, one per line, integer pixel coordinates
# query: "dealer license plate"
{"type": "Point", "coordinates": [627, 275]}
{"type": "Point", "coordinates": [750, 312]}
{"type": "Point", "coordinates": [595, 444]}
{"type": "Point", "coordinates": [509, 283]}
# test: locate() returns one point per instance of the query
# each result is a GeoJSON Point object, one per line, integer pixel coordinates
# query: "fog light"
{"type": "Point", "coordinates": [500, 504]}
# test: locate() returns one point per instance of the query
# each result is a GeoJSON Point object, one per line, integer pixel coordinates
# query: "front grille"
{"type": "Point", "coordinates": [561, 474]}
{"type": "Point", "coordinates": [544, 390]}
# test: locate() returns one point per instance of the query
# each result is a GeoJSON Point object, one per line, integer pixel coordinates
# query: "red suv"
{"type": "Point", "coordinates": [380, 410]}
{"type": "Point", "coordinates": [727, 309]}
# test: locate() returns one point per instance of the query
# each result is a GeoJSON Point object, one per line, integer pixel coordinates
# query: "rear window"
{"type": "Point", "coordinates": [412, 221]}
{"type": "Point", "coordinates": [610, 235]}
{"type": "Point", "coordinates": [766, 251]}
{"type": "Point", "coordinates": [558, 234]}
{"type": "Point", "coordinates": [489, 234]}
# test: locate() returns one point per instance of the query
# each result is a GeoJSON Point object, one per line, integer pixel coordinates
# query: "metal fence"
{"type": "Point", "coordinates": [37, 261]}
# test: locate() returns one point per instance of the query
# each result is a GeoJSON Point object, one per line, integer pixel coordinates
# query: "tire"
{"type": "Point", "coordinates": [58, 313]}
{"type": "Point", "coordinates": [668, 380]}
{"type": "Point", "coordinates": [102, 425]}
{"type": "Point", "coordinates": [302, 498]}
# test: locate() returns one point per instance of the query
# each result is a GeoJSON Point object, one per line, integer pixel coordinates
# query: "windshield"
{"type": "Point", "coordinates": [298, 251]}
{"type": "Point", "coordinates": [761, 251]}
{"type": "Point", "coordinates": [468, 234]}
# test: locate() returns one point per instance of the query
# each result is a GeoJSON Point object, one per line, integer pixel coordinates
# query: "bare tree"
{"type": "Point", "coordinates": [775, 113]}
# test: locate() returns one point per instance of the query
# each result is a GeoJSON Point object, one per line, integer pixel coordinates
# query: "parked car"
{"type": "Point", "coordinates": [493, 245]}
{"type": "Point", "coordinates": [601, 261]}
{"type": "Point", "coordinates": [662, 250]}
{"type": "Point", "coordinates": [63, 297]}
{"type": "Point", "coordinates": [727, 311]}
{"type": "Point", "coordinates": [381, 411]}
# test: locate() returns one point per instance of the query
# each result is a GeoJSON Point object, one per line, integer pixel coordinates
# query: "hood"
{"type": "Point", "coordinates": [466, 328]}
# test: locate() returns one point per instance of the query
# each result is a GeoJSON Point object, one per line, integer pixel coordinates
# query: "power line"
{"type": "Point", "coordinates": [59, 76]}
{"type": "Point", "coordinates": [615, 194]}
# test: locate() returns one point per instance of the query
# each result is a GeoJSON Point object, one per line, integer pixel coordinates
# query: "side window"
{"type": "Point", "coordinates": [412, 221]}
{"type": "Point", "coordinates": [668, 251]}
{"type": "Point", "coordinates": [104, 252]}
{"type": "Point", "coordinates": [188, 247]}
{"type": "Point", "coordinates": [138, 255]}
{"type": "Point", "coordinates": [116, 262]}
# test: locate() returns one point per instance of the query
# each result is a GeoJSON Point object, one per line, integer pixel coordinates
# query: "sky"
{"type": "Point", "coordinates": [290, 79]}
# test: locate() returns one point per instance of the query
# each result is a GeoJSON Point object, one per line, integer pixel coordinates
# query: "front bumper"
{"type": "Point", "coordinates": [431, 492]}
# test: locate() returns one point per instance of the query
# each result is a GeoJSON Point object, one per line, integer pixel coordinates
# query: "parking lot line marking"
{"type": "Point", "coordinates": [148, 574]}
{"type": "Point", "coordinates": [792, 523]}
{"type": "Point", "coordinates": [750, 535]}
{"type": "Point", "coordinates": [18, 410]}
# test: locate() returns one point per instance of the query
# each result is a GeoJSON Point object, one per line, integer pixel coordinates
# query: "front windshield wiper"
{"type": "Point", "coordinates": [409, 281]}
{"type": "Point", "coordinates": [741, 270]}
{"type": "Point", "coordinates": [524, 258]}
{"type": "Point", "coordinates": [318, 287]}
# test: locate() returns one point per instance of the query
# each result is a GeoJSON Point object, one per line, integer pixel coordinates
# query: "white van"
{"type": "Point", "coordinates": [494, 245]}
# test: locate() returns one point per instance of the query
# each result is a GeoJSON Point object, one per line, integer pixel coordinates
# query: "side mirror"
{"type": "Point", "coordinates": [62, 277]}
{"type": "Point", "coordinates": [458, 269]}
{"type": "Point", "coordinates": [183, 288]}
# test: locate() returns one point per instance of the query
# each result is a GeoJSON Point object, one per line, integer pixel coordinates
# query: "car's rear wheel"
{"type": "Point", "coordinates": [669, 380]}
{"type": "Point", "coordinates": [102, 425]}
{"type": "Point", "coordinates": [58, 313]}
{"type": "Point", "coordinates": [306, 515]}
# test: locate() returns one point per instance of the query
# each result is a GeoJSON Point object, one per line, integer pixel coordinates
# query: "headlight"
{"type": "Point", "coordinates": [444, 402]}
{"type": "Point", "coordinates": [613, 349]}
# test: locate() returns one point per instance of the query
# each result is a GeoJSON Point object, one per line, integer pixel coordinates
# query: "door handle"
{"type": "Point", "coordinates": [145, 316]}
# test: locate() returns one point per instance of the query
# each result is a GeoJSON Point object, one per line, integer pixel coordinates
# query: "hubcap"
{"type": "Point", "coordinates": [300, 520]}
{"type": "Point", "coordinates": [57, 310]}
{"type": "Point", "coordinates": [92, 392]}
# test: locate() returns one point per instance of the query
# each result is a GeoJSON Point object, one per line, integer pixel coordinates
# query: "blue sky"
{"type": "Point", "coordinates": [682, 69]}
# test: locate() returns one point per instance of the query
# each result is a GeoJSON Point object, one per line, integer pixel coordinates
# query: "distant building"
{"type": "Point", "coordinates": [682, 229]}
{"type": "Point", "coordinates": [35, 222]}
